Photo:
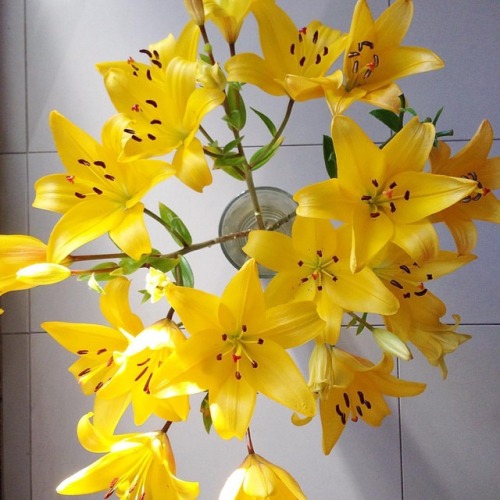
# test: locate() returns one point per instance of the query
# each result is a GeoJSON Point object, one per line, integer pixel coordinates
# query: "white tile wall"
{"type": "Point", "coordinates": [449, 436]}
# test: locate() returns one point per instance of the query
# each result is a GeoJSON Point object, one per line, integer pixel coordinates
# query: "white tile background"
{"type": "Point", "coordinates": [443, 445]}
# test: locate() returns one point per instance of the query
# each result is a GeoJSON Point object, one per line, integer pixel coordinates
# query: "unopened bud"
{"type": "Point", "coordinates": [210, 76]}
{"type": "Point", "coordinates": [196, 11]}
{"type": "Point", "coordinates": [391, 344]}
{"type": "Point", "coordinates": [43, 274]}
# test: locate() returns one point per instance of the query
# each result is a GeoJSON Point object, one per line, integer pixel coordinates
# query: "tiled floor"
{"type": "Point", "coordinates": [442, 445]}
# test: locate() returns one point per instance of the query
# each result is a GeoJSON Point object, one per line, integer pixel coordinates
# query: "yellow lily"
{"type": "Point", "coordinates": [470, 162]}
{"type": "Point", "coordinates": [258, 478]}
{"type": "Point", "coordinates": [137, 466]}
{"type": "Point", "coordinates": [418, 319]}
{"type": "Point", "coordinates": [118, 362]}
{"type": "Point", "coordinates": [164, 106]}
{"type": "Point", "coordinates": [24, 264]}
{"type": "Point", "coordinates": [350, 387]}
{"type": "Point", "coordinates": [382, 193]}
{"type": "Point", "coordinates": [374, 58]}
{"type": "Point", "coordinates": [314, 265]}
{"type": "Point", "coordinates": [237, 349]}
{"type": "Point", "coordinates": [292, 57]}
{"type": "Point", "coordinates": [98, 194]}
{"type": "Point", "coordinates": [228, 16]}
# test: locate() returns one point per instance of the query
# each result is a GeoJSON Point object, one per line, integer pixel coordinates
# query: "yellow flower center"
{"type": "Point", "coordinates": [363, 63]}
{"type": "Point", "coordinates": [306, 50]}
{"type": "Point", "coordinates": [321, 268]}
{"type": "Point", "coordinates": [237, 349]}
{"type": "Point", "coordinates": [479, 192]}
{"type": "Point", "coordinates": [385, 198]}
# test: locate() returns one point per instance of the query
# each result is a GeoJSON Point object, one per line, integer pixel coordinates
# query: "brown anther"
{"type": "Point", "coordinates": [146, 385]}
{"type": "Point", "coordinates": [319, 253]}
{"type": "Point", "coordinates": [374, 215]}
{"type": "Point", "coordinates": [393, 207]}
{"type": "Point", "coordinates": [224, 337]}
{"type": "Point", "coordinates": [404, 268]}
{"type": "Point", "coordinates": [84, 372]}
{"type": "Point", "coordinates": [98, 386]}
{"type": "Point", "coordinates": [421, 293]}
{"type": "Point", "coordinates": [136, 139]}
{"type": "Point", "coordinates": [335, 259]}
{"type": "Point", "coordinates": [129, 131]}
{"type": "Point", "coordinates": [101, 351]}
{"type": "Point", "coordinates": [346, 399]}
{"type": "Point", "coordinates": [300, 263]}
{"type": "Point", "coordinates": [97, 190]}
{"type": "Point", "coordinates": [366, 197]}
{"type": "Point", "coordinates": [155, 122]}
{"type": "Point", "coordinates": [315, 36]}
{"type": "Point", "coordinates": [142, 363]}
{"type": "Point", "coordinates": [80, 195]}
{"type": "Point", "coordinates": [407, 195]}
{"type": "Point", "coordinates": [144, 370]}
{"type": "Point", "coordinates": [318, 59]}
{"type": "Point", "coordinates": [292, 49]}
{"type": "Point", "coordinates": [243, 328]}
{"type": "Point", "coordinates": [303, 280]}
{"type": "Point", "coordinates": [156, 63]}
{"type": "Point", "coordinates": [375, 182]}
{"type": "Point", "coordinates": [429, 276]}
{"type": "Point", "coordinates": [219, 357]}
{"type": "Point", "coordinates": [100, 163]}
{"type": "Point", "coordinates": [148, 75]}
{"type": "Point", "coordinates": [260, 341]}
{"type": "Point", "coordinates": [151, 137]}
{"type": "Point", "coordinates": [109, 177]}
{"type": "Point", "coordinates": [397, 284]}
{"type": "Point", "coordinates": [254, 364]}
{"type": "Point", "coordinates": [81, 161]}
{"type": "Point", "coordinates": [325, 51]}
{"type": "Point", "coordinates": [81, 352]}
{"type": "Point", "coordinates": [237, 375]}
{"type": "Point", "coordinates": [147, 52]}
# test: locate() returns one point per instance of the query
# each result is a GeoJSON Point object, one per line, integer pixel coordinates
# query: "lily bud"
{"type": "Point", "coordinates": [196, 11]}
{"type": "Point", "coordinates": [43, 274]}
{"type": "Point", "coordinates": [391, 344]}
{"type": "Point", "coordinates": [210, 76]}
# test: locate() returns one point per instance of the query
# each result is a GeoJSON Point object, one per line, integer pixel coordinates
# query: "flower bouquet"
{"type": "Point", "coordinates": [351, 257]}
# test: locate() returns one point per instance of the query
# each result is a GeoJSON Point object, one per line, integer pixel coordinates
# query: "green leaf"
{"type": "Point", "coordinates": [267, 121]}
{"type": "Point", "coordinates": [130, 265]}
{"type": "Point", "coordinates": [164, 264]}
{"type": "Point", "coordinates": [388, 118]}
{"type": "Point", "coordinates": [183, 273]}
{"type": "Point", "coordinates": [361, 325]}
{"type": "Point", "coordinates": [206, 415]}
{"type": "Point", "coordinates": [94, 273]}
{"type": "Point", "coordinates": [264, 154]}
{"type": "Point", "coordinates": [329, 157]}
{"type": "Point", "coordinates": [232, 145]}
{"type": "Point", "coordinates": [175, 226]}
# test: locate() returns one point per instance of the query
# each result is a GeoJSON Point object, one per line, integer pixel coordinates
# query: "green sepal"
{"type": "Point", "coordinates": [205, 413]}
{"type": "Point", "coordinates": [205, 59]}
{"type": "Point", "coordinates": [175, 226]}
{"type": "Point", "coordinates": [146, 296]}
{"type": "Point", "coordinates": [264, 154]}
{"type": "Point", "coordinates": [163, 264]}
{"type": "Point", "coordinates": [329, 157]}
{"type": "Point", "coordinates": [267, 121]}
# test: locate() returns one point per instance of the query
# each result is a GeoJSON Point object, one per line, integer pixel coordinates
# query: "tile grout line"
{"type": "Point", "coordinates": [26, 117]}
{"type": "Point", "coordinates": [400, 427]}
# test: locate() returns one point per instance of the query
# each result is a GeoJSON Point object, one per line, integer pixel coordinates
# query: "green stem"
{"type": "Point", "coordinates": [250, 448]}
